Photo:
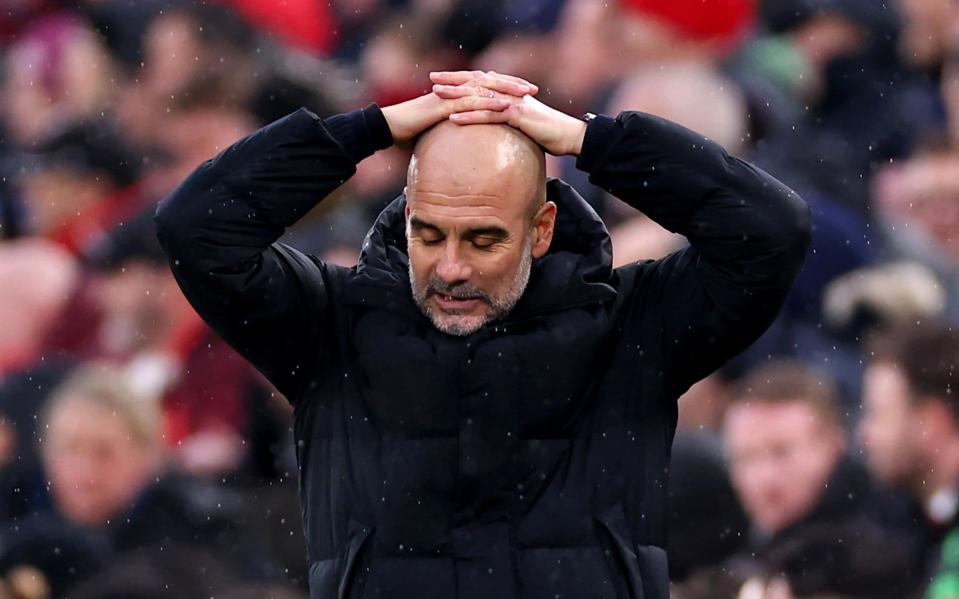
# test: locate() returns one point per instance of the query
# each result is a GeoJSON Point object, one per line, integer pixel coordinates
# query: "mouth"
{"type": "Point", "coordinates": [451, 303]}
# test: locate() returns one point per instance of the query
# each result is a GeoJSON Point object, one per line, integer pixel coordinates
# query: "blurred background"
{"type": "Point", "coordinates": [141, 457]}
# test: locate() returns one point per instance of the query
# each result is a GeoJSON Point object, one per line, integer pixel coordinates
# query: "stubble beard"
{"type": "Point", "coordinates": [462, 325]}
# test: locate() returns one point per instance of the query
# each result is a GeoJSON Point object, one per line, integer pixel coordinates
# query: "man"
{"type": "Point", "coordinates": [111, 489]}
{"type": "Point", "coordinates": [784, 441]}
{"type": "Point", "coordinates": [483, 406]}
{"type": "Point", "coordinates": [910, 431]}
{"type": "Point", "coordinates": [790, 466]}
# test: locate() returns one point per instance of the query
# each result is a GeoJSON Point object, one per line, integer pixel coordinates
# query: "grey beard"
{"type": "Point", "coordinates": [499, 306]}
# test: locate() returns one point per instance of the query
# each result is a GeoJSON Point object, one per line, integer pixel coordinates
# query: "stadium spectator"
{"type": "Point", "coordinates": [791, 465]}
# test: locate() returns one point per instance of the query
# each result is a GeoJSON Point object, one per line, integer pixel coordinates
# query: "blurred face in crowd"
{"type": "Point", "coordinates": [781, 455]}
{"type": "Point", "coordinates": [887, 429]}
{"type": "Point", "coordinates": [136, 301]}
{"type": "Point", "coordinates": [95, 463]}
{"type": "Point", "coordinates": [909, 438]}
{"type": "Point", "coordinates": [37, 277]}
{"type": "Point", "coordinates": [44, 87]}
{"type": "Point", "coordinates": [57, 195]}
{"type": "Point", "coordinates": [925, 190]}
{"type": "Point", "coordinates": [171, 48]}
{"type": "Point", "coordinates": [925, 31]}
{"type": "Point", "coordinates": [476, 218]}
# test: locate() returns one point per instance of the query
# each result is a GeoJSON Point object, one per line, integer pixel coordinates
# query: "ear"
{"type": "Point", "coordinates": [543, 224]}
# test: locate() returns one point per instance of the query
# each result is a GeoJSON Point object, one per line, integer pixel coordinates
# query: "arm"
{"type": "Point", "coordinates": [219, 228]}
{"type": "Point", "coordinates": [748, 233]}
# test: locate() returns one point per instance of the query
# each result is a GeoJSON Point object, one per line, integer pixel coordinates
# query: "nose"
{"type": "Point", "coordinates": [452, 267]}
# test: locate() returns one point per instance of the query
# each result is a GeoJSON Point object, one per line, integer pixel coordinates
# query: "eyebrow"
{"type": "Point", "coordinates": [418, 224]}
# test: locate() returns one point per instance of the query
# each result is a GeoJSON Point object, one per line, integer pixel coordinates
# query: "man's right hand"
{"type": "Point", "coordinates": [408, 119]}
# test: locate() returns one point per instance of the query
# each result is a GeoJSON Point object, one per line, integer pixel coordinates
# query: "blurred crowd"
{"type": "Point", "coordinates": [141, 457]}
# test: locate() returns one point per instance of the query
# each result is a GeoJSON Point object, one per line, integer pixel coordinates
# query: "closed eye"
{"type": "Point", "coordinates": [484, 243]}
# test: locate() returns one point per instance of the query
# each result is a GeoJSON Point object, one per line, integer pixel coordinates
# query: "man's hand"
{"type": "Point", "coordinates": [492, 93]}
{"type": "Point", "coordinates": [557, 132]}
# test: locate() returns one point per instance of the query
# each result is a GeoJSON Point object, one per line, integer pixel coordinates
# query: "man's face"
{"type": "Point", "coordinates": [470, 258]}
{"type": "Point", "coordinates": [781, 455]}
{"type": "Point", "coordinates": [888, 429]}
{"type": "Point", "coordinates": [95, 465]}
{"type": "Point", "coordinates": [475, 219]}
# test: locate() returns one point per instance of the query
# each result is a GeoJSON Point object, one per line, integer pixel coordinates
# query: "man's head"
{"type": "Point", "coordinates": [911, 412]}
{"type": "Point", "coordinates": [476, 216]}
{"type": "Point", "coordinates": [100, 445]}
{"type": "Point", "coordinates": [784, 439]}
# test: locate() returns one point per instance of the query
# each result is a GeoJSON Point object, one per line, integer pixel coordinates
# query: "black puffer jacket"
{"type": "Point", "coordinates": [528, 459]}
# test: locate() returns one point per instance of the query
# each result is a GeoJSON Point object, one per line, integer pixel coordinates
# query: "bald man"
{"type": "Point", "coordinates": [484, 186]}
{"type": "Point", "coordinates": [484, 406]}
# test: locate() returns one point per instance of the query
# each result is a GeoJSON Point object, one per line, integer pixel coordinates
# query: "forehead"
{"type": "Point", "coordinates": [465, 209]}
{"type": "Point", "coordinates": [757, 419]}
{"type": "Point", "coordinates": [76, 415]}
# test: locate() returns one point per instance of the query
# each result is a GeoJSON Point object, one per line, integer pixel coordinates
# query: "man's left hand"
{"type": "Point", "coordinates": [557, 132]}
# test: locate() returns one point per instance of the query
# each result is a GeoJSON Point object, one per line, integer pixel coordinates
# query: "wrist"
{"type": "Point", "coordinates": [393, 121]}
{"type": "Point", "coordinates": [576, 136]}
{"type": "Point", "coordinates": [408, 119]}
{"type": "Point", "coordinates": [602, 133]}
{"type": "Point", "coordinates": [360, 132]}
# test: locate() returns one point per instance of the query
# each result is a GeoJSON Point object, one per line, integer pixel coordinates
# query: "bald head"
{"type": "Point", "coordinates": [479, 160]}
{"type": "Point", "coordinates": [476, 218]}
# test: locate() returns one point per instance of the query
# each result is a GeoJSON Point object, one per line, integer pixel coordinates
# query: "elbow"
{"type": "Point", "coordinates": [179, 213]}
{"type": "Point", "coordinates": [791, 230]}
{"type": "Point", "coordinates": [798, 221]}
{"type": "Point", "coordinates": [169, 228]}
{"type": "Point", "coordinates": [162, 219]}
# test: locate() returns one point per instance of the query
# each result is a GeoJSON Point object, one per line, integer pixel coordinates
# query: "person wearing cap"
{"type": "Point", "coordinates": [484, 406]}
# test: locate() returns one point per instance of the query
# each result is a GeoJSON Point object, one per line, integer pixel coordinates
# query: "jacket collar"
{"type": "Point", "coordinates": [575, 271]}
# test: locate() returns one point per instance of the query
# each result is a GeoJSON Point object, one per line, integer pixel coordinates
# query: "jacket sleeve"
{"type": "Point", "coordinates": [219, 228]}
{"type": "Point", "coordinates": [748, 237]}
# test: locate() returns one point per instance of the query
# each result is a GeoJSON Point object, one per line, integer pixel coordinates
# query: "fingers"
{"type": "Point", "coordinates": [477, 117]}
{"type": "Point", "coordinates": [502, 85]}
{"type": "Point", "coordinates": [507, 84]}
{"type": "Point", "coordinates": [471, 103]}
{"type": "Point", "coordinates": [453, 77]}
{"type": "Point", "coordinates": [490, 90]}
{"type": "Point", "coordinates": [535, 88]}
{"type": "Point", "coordinates": [452, 92]}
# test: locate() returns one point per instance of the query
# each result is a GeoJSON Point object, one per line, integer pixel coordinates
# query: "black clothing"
{"type": "Point", "coordinates": [178, 509]}
{"type": "Point", "coordinates": [853, 541]}
{"type": "Point", "coordinates": [706, 524]}
{"type": "Point", "coordinates": [173, 514]}
{"type": "Point", "coordinates": [529, 458]}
